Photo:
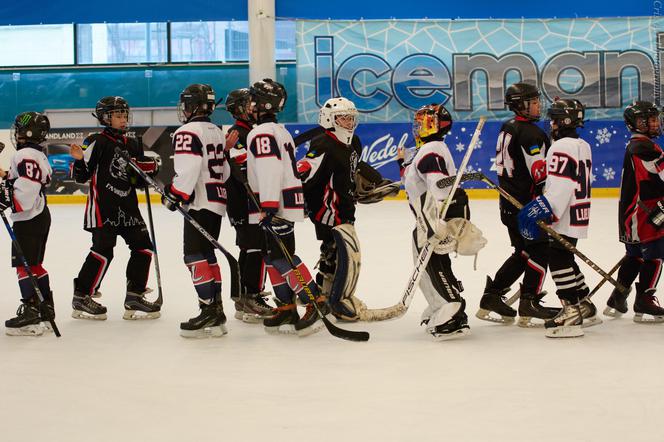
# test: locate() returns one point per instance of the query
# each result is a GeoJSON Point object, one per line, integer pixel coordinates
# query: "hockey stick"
{"type": "Point", "coordinates": [555, 235]}
{"type": "Point", "coordinates": [349, 335]}
{"type": "Point", "coordinates": [611, 272]}
{"type": "Point", "coordinates": [232, 262]}
{"type": "Point", "coordinates": [399, 309]}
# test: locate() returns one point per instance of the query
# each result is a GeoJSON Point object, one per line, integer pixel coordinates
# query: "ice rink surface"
{"type": "Point", "coordinates": [120, 380]}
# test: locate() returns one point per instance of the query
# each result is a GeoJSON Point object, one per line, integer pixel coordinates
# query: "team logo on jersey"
{"type": "Point", "coordinates": [118, 168]}
{"type": "Point", "coordinates": [534, 150]}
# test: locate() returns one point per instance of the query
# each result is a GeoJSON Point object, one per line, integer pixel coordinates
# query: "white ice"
{"type": "Point", "coordinates": [120, 380]}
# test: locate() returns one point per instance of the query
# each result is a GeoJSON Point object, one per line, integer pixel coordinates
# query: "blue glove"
{"type": "Point", "coordinates": [537, 209]}
{"type": "Point", "coordinates": [276, 225]}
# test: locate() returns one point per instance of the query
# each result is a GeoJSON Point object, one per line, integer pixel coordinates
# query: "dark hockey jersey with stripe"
{"type": "Point", "coordinates": [112, 200]}
{"type": "Point", "coordinates": [641, 186]}
{"type": "Point", "coordinates": [237, 205]}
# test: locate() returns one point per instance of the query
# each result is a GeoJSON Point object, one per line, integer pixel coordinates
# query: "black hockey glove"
{"type": "Point", "coordinates": [6, 197]}
{"type": "Point", "coordinates": [657, 214]}
{"type": "Point", "coordinates": [276, 225]}
{"type": "Point", "coordinates": [171, 200]}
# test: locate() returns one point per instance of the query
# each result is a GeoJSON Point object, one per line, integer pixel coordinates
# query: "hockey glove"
{"type": "Point", "coordinates": [6, 197]}
{"type": "Point", "coordinates": [148, 165]}
{"type": "Point", "coordinates": [657, 214]}
{"type": "Point", "coordinates": [170, 199]}
{"type": "Point", "coordinates": [276, 225]}
{"type": "Point", "coordinates": [537, 209]}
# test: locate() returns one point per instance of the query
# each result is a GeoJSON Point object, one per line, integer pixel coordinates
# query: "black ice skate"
{"type": "Point", "coordinates": [567, 323]}
{"type": "Point", "coordinates": [646, 308]}
{"type": "Point", "coordinates": [210, 323]}
{"type": "Point", "coordinates": [255, 308]}
{"type": "Point", "coordinates": [589, 313]}
{"type": "Point", "coordinates": [27, 321]}
{"type": "Point", "coordinates": [284, 319]}
{"type": "Point", "coordinates": [531, 311]}
{"type": "Point", "coordinates": [87, 308]}
{"type": "Point", "coordinates": [616, 305]}
{"type": "Point", "coordinates": [311, 322]}
{"type": "Point", "coordinates": [137, 307]}
{"type": "Point", "coordinates": [455, 328]}
{"type": "Point", "coordinates": [493, 300]}
{"type": "Point", "coordinates": [47, 311]}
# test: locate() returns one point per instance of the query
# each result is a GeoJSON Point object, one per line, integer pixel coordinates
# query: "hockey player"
{"type": "Point", "coordinates": [111, 211]}
{"type": "Point", "coordinates": [23, 193]}
{"type": "Point", "coordinates": [272, 176]}
{"type": "Point", "coordinates": [520, 164]}
{"type": "Point", "coordinates": [445, 317]}
{"type": "Point", "coordinates": [200, 172]}
{"type": "Point", "coordinates": [251, 306]}
{"type": "Point", "coordinates": [641, 214]}
{"type": "Point", "coordinates": [566, 204]}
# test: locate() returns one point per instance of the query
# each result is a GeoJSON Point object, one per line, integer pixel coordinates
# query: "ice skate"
{"type": "Point", "coordinates": [84, 307]}
{"type": "Point", "coordinates": [453, 328]}
{"type": "Point", "coordinates": [647, 309]}
{"type": "Point", "coordinates": [311, 322]}
{"type": "Point", "coordinates": [137, 307]}
{"type": "Point", "coordinates": [255, 308]}
{"type": "Point", "coordinates": [27, 321]}
{"type": "Point", "coordinates": [210, 323]}
{"type": "Point", "coordinates": [493, 301]}
{"type": "Point", "coordinates": [532, 313]}
{"type": "Point", "coordinates": [616, 305]}
{"type": "Point", "coordinates": [589, 312]}
{"type": "Point", "coordinates": [284, 319]}
{"type": "Point", "coordinates": [567, 324]}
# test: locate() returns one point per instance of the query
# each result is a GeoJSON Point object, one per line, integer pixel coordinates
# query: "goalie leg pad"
{"type": "Point", "coordinates": [342, 301]}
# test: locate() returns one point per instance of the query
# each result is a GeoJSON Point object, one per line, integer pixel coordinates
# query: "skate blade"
{"type": "Point", "coordinates": [28, 330]}
{"type": "Point", "coordinates": [284, 329]}
{"type": "Point", "coordinates": [239, 315]}
{"type": "Point", "coordinates": [612, 313]}
{"type": "Point", "coordinates": [313, 328]}
{"type": "Point", "coordinates": [137, 315]}
{"type": "Point", "coordinates": [78, 314]}
{"type": "Point", "coordinates": [204, 333]}
{"type": "Point", "coordinates": [529, 322]}
{"type": "Point", "coordinates": [591, 322]}
{"type": "Point", "coordinates": [485, 315]}
{"type": "Point", "coordinates": [643, 318]}
{"type": "Point", "coordinates": [565, 331]}
{"type": "Point", "coordinates": [47, 327]}
{"type": "Point", "coordinates": [450, 336]}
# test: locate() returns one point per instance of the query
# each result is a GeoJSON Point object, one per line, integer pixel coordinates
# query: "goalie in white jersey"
{"type": "Point", "coordinates": [566, 205]}
{"type": "Point", "coordinates": [23, 193]}
{"type": "Point", "coordinates": [445, 317]}
{"type": "Point", "coordinates": [200, 173]}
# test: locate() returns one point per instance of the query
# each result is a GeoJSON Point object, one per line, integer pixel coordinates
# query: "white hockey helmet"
{"type": "Point", "coordinates": [339, 115]}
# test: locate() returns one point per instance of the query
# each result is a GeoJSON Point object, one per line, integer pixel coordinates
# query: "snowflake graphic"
{"type": "Point", "coordinates": [479, 144]}
{"type": "Point", "coordinates": [460, 147]}
{"type": "Point", "coordinates": [609, 174]}
{"type": "Point", "coordinates": [603, 136]}
{"type": "Point", "coordinates": [593, 177]}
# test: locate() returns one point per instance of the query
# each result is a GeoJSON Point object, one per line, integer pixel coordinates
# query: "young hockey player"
{"type": "Point", "coordinates": [273, 177]}
{"type": "Point", "coordinates": [445, 317]}
{"type": "Point", "coordinates": [111, 211]}
{"type": "Point", "coordinates": [251, 306]}
{"type": "Point", "coordinates": [23, 193]}
{"type": "Point", "coordinates": [520, 164]}
{"type": "Point", "coordinates": [566, 204]}
{"type": "Point", "coordinates": [641, 214]}
{"type": "Point", "coordinates": [200, 172]}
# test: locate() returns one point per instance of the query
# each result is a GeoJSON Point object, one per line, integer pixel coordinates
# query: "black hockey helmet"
{"type": "Point", "coordinates": [196, 99]}
{"type": "Point", "coordinates": [267, 97]}
{"type": "Point", "coordinates": [517, 97]}
{"type": "Point", "coordinates": [237, 102]}
{"type": "Point", "coordinates": [566, 114]}
{"type": "Point", "coordinates": [432, 121]}
{"type": "Point", "coordinates": [30, 127]}
{"type": "Point", "coordinates": [109, 105]}
{"type": "Point", "coordinates": [636, 117]}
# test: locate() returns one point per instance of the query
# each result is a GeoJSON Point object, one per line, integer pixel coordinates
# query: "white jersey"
{"type": "Point", "coordinates": [200, 166]}
{"type": "Point", "coordinates": [432, 162]}
{"type": "Point", "coordinates": [272, 173]}
{"type": "Point", "coordinates": [567, 187]}
{"type": "Point", "coordinates": [30, 173]}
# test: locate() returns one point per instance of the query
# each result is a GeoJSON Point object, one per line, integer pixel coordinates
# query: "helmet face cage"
{"type": "Point", "coordinates": [108, 106]}
{"type": "Point", "coordinates": [518, 98]}
{"type": "Point", "coordinates": [196, 100]}
{"type": "Point", "coordinates": [339, 115]}
{"type": "Point", "coordinates": [430, 120]}
{"type": "Point", "coordinates": [637, 118]}
{"type": "Point", "coordinates": [237, 103]}
{"type": "Point", "coordinates": [29, 127]}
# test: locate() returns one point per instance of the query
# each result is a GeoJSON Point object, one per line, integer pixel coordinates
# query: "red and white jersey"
{"type": "Point", "coordinates": [200, 166]}
{"type": "Point", "coordinates": [30, 173]}
{"type": "Point", "coordinates": [272, 172]}
{"type": "Point", "coordinates": [567, 187]}
{"type": "Point", "coordinates": [432, 162]}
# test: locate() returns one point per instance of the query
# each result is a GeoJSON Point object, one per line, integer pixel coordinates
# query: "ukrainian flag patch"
{"type": "Point", "coordinates": [534, 149]}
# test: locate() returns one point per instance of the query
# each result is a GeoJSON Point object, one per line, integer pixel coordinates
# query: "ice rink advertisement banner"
{"type": "Point", "coordinates": [390, 68]}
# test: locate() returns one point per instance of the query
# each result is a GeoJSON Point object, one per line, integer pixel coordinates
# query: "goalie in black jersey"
{"type": "Point", "coordinates": [111, 211]}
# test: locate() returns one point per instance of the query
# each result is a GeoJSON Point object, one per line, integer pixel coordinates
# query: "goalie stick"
{"type": "Point", "coordinates": [232, 262]}
{"type": "Point", "coordinates": [548, 229]}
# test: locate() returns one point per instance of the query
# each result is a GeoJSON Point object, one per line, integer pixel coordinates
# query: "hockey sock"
{"type": "Point", "coordinates": [650, 273]}
{"type": "Point", "coordinates": [25, 285]}
{"type": "Point", "coordinates": [282, 266]}
{"type": "Point", "coordinates": [138, 269]}
{"type": "Point", "coordinates": [629, 270]}
{"type": "Point", "coordinates": [202, 275]}
{"type": "Point", "coordinates": [510, 271]}
{"type": "Point", "coordinates": [216, 272]}
{"type": "Point", "coordinates": [279, 285]}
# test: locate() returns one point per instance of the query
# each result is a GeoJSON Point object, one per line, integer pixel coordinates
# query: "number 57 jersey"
{"type": "Point", "coordinates": [200, 166]}
{"type": "Point", "coordinates": [567, 187]}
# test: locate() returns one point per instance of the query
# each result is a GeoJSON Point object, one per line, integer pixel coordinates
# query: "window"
{"type": "Point", "coordinates": [110, 43]}
{"type": "Point", "coordinates": [38, 45]}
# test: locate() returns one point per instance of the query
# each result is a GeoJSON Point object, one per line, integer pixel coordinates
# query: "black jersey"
{"type": "Point", "coordinates": [238, 200]}
{"type": "Point", "coordinates": [521, 160]}
{"type": "Point", "coordinates": [328, 173]}
{"type": "Point", "coordinates": [112, 200]}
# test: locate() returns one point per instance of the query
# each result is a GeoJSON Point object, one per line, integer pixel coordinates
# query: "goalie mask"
{"type": "Point", "coordinates": [431, 122]}
{"type": "Point", "coordinates": [339, 115]}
